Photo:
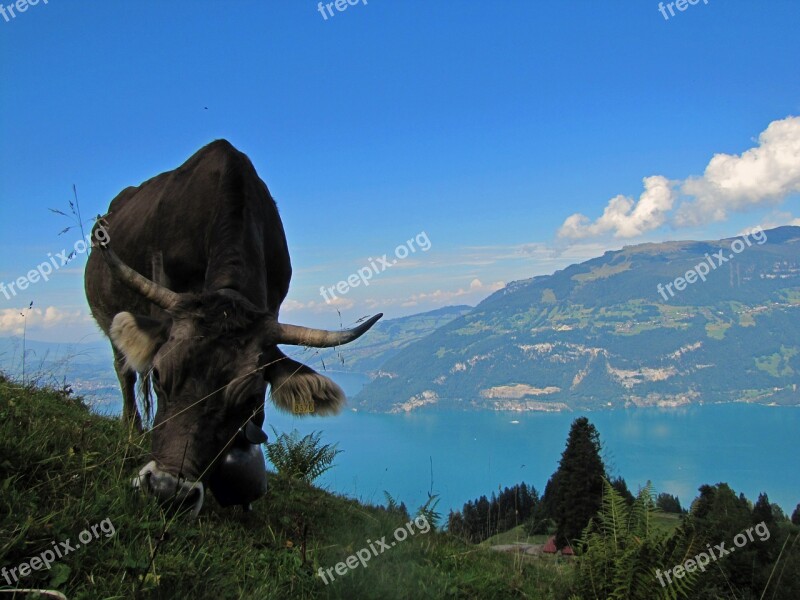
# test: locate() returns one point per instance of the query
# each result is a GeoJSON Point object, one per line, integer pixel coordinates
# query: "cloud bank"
{"type": "Point", "coordinates": [760, 177]}
{"type": "Point", "coordinates": [38, 320]}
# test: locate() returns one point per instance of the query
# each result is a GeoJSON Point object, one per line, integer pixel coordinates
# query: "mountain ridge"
{"type": "Point", "coordinates": [598, 334]}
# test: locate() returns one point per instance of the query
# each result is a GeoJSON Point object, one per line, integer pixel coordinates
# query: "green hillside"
{"type": "Point", "coordinates": [64, 469]}
{"type": "Point", "coordinates": [600, 334]}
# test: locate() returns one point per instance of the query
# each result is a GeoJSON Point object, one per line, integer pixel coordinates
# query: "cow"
{"type": "Point", "coordinates": [187, 281]}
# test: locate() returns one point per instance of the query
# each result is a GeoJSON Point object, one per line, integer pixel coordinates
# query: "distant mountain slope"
{"type": "Point", "coordinates": [601, 334]}
{"type": "Point", "coordinates": [382, 342]}
{"type": "Point", "coordinates": [87, 367]}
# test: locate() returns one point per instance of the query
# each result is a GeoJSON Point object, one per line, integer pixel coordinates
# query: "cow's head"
{"type": "Point", "coordinates": [210, 359]}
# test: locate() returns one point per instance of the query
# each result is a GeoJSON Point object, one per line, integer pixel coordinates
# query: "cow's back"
{"type": "Point", "coordinates": [212, 222]}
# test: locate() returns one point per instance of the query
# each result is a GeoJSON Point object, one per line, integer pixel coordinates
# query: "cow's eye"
{"type": "Point", "coordinates": [156, 376]}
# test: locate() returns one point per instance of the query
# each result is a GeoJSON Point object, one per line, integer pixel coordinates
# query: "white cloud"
{"type": "Point", "coordinates": [761, 176]}
{"type": "Point", "coordinates": [12, 322]}
{"type": "Point", "coordinates": [777, 218]}
{"type": "Point", "coordinates": [624, 217]}
{"type": "Point", "coordinates": [476, 288]}
{"type": "Point", "coordinates": [290, 305]}
{"type": "Point", "coordinates": [322, 306]}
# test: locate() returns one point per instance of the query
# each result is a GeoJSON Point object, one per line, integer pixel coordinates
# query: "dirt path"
{"type": "Point", "coordinates": [520, 548]}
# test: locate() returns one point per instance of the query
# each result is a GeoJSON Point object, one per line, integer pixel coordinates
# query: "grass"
{"type": "Point", "coordinates": [516, 535]}
{"type": "Point", "coordinates": [64, 469]}
{"type": "Point", "coordinates": [602, 272]}
{"type": "Point", "coordinates": [666, 522]}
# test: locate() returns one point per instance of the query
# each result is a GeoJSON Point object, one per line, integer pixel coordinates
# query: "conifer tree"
{"type": "Point", "coordinates": [575, 491]}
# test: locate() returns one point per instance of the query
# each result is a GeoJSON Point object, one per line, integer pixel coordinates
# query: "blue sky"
{"type": "Point", "coordinates": [490, 126]}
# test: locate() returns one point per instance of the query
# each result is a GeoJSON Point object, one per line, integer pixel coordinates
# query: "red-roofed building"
{"type": "Point", "coordinates": [550, 547]}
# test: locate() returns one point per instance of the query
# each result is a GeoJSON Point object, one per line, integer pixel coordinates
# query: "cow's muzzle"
{"type": "Point", "coordinates": [177, 492]}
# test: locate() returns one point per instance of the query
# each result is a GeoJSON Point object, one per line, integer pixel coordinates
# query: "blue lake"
{"type": "Point", "coordinates": [752, 448]}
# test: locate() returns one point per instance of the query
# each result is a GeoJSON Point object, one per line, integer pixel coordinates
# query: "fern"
{"type": "Point", "coordinates": [428, 510]}
{"type": "Point", "coordinates": [303, 458]}
{"type": "Point", "coordinates": [391, 503]}
{"type": "Point", "coordinates": [620, 551]}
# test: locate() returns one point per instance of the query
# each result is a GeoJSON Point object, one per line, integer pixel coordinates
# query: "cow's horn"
{"type": "Point", "coordinates": [163, 297]}
{"type": "Point", "coordinates": [320, 338]}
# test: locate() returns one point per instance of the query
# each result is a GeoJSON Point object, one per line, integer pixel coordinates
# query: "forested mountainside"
{"type": "Point", "coordinates": [603, 334]}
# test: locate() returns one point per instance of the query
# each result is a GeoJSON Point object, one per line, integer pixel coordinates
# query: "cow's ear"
{"type": "Point", "coordinates": [138, 338]}
{"type": "Point", "coordinates": [299, 389]}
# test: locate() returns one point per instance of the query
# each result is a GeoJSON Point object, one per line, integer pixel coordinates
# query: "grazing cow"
{"type": "Point", "coordinates": [187, 284]}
